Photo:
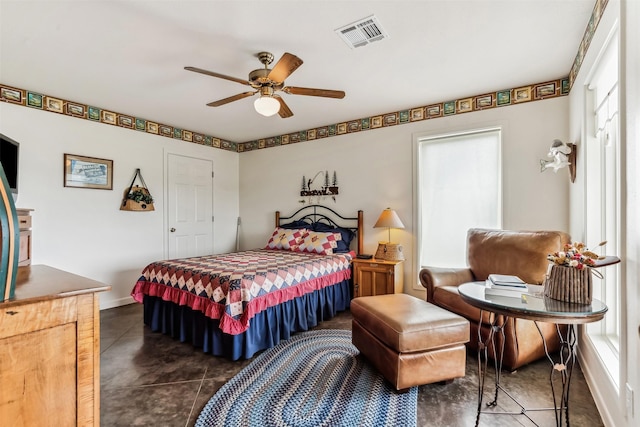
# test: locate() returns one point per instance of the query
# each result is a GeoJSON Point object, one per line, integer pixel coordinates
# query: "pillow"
{"type": "Point", "coordinates": [285, 239]}
{"type": "Point", "coordinates": [347, 235]}
{"type": "Point", "coordinates": [320, 243]}
{"type": "Point", "coordinates": [298, 224]}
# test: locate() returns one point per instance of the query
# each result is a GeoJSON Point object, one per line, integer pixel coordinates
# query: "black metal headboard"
{"type": "Point", "coordinates": [326, 215]}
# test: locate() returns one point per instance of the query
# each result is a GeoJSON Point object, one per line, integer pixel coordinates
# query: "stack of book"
{"type": "Point", "coordinates": [506, 286]}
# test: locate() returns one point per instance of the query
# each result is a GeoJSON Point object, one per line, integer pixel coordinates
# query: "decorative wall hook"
{"type": "Point", "coordinates": [564, 155]}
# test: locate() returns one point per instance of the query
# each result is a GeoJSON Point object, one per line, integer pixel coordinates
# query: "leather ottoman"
{"type": "Point", "coordinates": [410, 341]}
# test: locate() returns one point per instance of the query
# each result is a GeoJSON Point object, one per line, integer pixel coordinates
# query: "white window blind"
{"type": "Point", "coordinates": [459, 187]}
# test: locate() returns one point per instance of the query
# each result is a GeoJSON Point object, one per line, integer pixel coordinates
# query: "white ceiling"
{"type": "Point", "coordinates": [129, 56]}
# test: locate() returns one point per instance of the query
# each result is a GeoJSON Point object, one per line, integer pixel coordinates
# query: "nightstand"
{"type": "Point", "coordinates": [377, 277]}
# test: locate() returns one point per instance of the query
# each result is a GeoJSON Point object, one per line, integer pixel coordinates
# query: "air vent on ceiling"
{"type": "Point", "coordinates": [362, 32]}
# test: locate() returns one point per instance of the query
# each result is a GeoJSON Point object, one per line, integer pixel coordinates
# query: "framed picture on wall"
{"type": "Point", "coordinates": [88, 172]}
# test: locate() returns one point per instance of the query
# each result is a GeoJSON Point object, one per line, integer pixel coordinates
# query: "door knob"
{"type": "Point", "coordinates": [173, 230]}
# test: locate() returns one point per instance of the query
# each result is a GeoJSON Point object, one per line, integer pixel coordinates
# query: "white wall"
{"type": "Point", "coordinates": [375, 171]}
{"type": "Point", "coordinates": [82, 230]}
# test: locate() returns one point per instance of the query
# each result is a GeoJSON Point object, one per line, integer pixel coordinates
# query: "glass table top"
{"type": "Point", "coordinates": [532, 306]}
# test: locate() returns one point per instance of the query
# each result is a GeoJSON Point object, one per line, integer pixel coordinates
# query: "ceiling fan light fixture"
{"type": "Point", "coordinates": [267, 106]}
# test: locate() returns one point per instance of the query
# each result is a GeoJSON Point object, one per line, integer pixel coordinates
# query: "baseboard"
{"type": "Point", "coordinates": [116, 303]}
{"type": "Point", "coordinates": [602, 388]}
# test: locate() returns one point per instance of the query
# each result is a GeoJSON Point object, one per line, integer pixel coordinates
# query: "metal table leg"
{"type": "Point", "coordinates": [483, 357]}
{"type": "Point", "coordinates": [564, 367]}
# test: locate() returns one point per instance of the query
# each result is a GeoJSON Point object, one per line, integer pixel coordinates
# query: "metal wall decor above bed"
{"type": "Point", "coordinates": [322, 214]}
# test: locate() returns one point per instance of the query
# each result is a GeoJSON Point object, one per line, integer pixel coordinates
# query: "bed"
{"type": "Point", "coordinates": [237, 304]}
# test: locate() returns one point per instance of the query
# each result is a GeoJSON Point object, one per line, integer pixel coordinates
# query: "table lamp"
{"type": "Point", "coordinates": [387, 250]}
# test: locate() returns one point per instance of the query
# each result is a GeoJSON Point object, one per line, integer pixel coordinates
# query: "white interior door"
{"type": "Point", "coordinates": [190, 206]}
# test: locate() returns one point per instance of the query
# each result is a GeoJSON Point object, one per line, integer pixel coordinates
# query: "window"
{"type": "Point", "coordinates": [603, 195]}
{"type": "Point", "coordinates": [458, 187]}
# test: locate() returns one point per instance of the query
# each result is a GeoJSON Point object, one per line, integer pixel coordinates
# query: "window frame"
{"type": "Point", "coordinates": [600, 219]}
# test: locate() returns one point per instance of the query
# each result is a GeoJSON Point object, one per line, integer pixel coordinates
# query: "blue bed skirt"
{"type": "Point", "coordinates": [266, 329]}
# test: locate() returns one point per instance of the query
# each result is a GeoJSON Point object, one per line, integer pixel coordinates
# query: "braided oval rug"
{"type": "Point", "coordinates": [313, 379]}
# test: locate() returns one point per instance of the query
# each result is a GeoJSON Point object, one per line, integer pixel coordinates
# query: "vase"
{"type": "Point", "coordinates": [569, 284]}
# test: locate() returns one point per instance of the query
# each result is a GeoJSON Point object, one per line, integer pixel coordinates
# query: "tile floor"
{"type": "Point", "coordinates": [149, 379]}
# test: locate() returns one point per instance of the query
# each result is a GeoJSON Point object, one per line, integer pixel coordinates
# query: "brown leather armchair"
{"type": "Point", "coordinates": [520, 253]}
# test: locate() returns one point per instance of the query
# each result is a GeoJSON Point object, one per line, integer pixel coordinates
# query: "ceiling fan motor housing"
{"type": "Point", "coordinates": [259, 77]}
{"type": "Point", "coordinates": [266, 91]}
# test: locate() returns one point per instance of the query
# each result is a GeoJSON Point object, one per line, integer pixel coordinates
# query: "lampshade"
{"type": "Point", "coordinates": [389, 218]}
{"type": "Point", "coordinates": [266, 105]}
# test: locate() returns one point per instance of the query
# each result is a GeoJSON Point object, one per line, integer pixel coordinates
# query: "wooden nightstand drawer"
{"type": "Point", "coordinates": [377, 277]}
{"type": "Point", "coordinates": [24, 222]}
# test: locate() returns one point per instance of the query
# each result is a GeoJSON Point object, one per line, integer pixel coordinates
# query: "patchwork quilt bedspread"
{"type": "Point", "coordinates": [234, 287]}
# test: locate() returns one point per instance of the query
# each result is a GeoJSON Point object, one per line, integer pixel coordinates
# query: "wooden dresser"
{"type": "Point", "coordinates": [50, 350]}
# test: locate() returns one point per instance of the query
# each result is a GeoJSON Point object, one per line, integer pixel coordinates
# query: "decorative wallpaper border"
{"type": "Point", "coordinates": [27, 98]}
{"type": "Point", "coordinates": [502, 98]}
{"type": "Point", "coordinates": [598, 10]}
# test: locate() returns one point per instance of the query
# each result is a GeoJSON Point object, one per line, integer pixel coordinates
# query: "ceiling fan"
{"type": "Point", "coordinates": [267, 81]}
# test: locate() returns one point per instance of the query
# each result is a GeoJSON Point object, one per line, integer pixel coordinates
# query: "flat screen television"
{"type": "Point", "coordinates": [9, 152]}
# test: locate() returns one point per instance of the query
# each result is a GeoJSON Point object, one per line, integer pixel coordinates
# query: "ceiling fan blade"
{"type": "Point", "coordinates": [284, 108]}
{"type": "Point", "coordinates": [313, 92]}
{"type": "Point", "coordinates": [231, 99]}
{"type": "Point", "coordinates": [285, 66]}
{"type": "Point", "coordinates": [221, 76]}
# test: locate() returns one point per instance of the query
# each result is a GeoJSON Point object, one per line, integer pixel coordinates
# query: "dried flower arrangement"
{"type": "Point", "coordinates": [576, 255]}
